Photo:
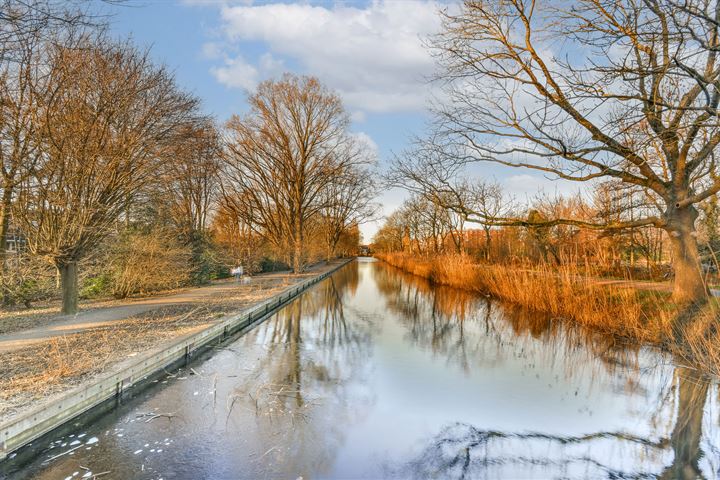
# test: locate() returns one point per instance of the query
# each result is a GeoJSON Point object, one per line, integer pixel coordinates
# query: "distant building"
{"type": "Point", "coordinates": [15, 241]}
{"type": "Point", "coordinates": [364, 250]}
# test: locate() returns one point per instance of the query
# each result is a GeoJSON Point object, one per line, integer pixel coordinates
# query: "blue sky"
{"type": "Point", "coordinates": [372, 53]}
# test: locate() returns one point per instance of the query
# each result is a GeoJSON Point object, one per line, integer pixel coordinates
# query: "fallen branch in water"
{"type": "Point", "coordinates": [152, 416]}
{"type": "Point", "coordinates": [66, 452]}
{"type": "Point", "coordinates": [169, 416]}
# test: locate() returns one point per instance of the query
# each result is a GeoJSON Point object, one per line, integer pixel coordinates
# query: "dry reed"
{"type": "Point", "coordinates": [567, 292]}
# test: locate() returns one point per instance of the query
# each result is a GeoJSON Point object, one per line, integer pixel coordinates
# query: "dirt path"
{"type": "Point", "coordinates": [642, 285]}
{"type": "Point", "coordinates": [647, 285]}
{"type": "Point", "coordinates": [44, 362]}
{"type": "Point", "coordinates": [60, 325]}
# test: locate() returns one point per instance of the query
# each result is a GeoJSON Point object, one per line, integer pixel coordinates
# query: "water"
{"type": "Point", "coordinates": [374, 373]}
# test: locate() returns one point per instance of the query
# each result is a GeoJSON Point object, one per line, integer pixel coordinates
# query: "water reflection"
{"type": "Point", "coordinates": [687, 433]}
{"type": "Point", "coordinates": [461, 451]}
{"type": "Point", "coordinates": [311, 367]}
{"type": "Point", "coordinates": [375, 373]}
{"type": "Point", "coordinates": [462, 325]}
{"type": "Point", "coordinates": [436, 318]}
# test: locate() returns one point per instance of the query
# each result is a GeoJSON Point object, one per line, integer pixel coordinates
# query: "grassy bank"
{"type": "Point", "coordinates": [641, 315]}
{"type": "Point", "coordinates": [48, 368]}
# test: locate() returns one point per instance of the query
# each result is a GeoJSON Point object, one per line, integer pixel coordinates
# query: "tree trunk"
{"type": "Point", "coordinates": [69, 285]}
{"type": "Point", "coordinates": [686, 435]}
{"type": "Point", "coordinates": [487, 243]}
{"type": "Point", "coordinates": [4, 229]}
{"type": "Point", "coordinates": [688, 286]}
{"type": "Point", "coordinates": [298, 250]}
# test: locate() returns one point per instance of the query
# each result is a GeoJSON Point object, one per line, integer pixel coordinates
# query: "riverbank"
{"type": "Point", "coordinates": [637, 314]}
{"type": "Point", "coordinates": [377, 373]}
{"type": "Point", "coordinates": [40, 370]}
{"type": "Point", "coordinates": [46, 315]}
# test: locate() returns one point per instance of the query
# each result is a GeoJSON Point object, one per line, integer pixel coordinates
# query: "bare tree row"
{"type": "Point", "coordinates": [590, 91]}
{"type": "Point", "coordinates": [292, 166]}
{"type": "Point", "coordinates": [105, 159]}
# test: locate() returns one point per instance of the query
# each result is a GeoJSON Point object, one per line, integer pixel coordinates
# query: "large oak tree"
{"type": "Point", "coordinates": [626, 90]}
{"type": "Point", "coordinates": [109, 118]}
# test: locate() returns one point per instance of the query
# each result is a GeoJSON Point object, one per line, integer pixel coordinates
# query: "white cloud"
{"type": "Point", "coordinates": [373, 56]}
{"type": "Point", "coordinates": [369, 143]}
{"type": "Point", "coordinates": [236, 72]}
{"type": "Point", "coordinates": [211, 51]}
{"type": "Point", "coordinates": [358, 116]}
{"type": "Point", "coordinates": [270, 65]}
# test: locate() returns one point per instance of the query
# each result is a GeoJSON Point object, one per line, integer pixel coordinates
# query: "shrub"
{"type": "Point", "coordinates": [26, 280]}
{"type": "Point", "coordinates": [96, 286]}
{"type": "Point", "coordinates": [268, 264]}
{"type": "Point", "coordinates": [206, 260]}
{"type": "Point", "coordinates": [146, 262]}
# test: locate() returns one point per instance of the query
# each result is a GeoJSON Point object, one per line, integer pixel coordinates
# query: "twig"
{"type": "Point", "coordinates": [215, 391]}
{"type": "Point", "coordinates": [65, 453]}
{"type": "Point", "coordinates": [169, 416]}
{"type": "Point", "coordinates": [271, 449]}
{"type": "Point", "coordinates": [232, 404]}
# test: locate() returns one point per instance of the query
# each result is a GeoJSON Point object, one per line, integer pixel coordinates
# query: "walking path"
{"type": "Point", "coordinates": [105, 316]}
{"type": "Point", "coordinates": [643, 285]}
{"type": "Point", "coordinates": [100, 317]}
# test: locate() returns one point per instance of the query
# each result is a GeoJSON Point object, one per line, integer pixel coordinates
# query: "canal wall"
{"type": "Point", "coordinates": [26, 427]}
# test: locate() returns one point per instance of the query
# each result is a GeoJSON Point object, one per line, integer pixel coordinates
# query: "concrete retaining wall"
{"type": "Point", "coordinates": [29, 426]}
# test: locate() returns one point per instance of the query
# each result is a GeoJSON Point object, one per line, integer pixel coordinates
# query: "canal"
{"type": "Point", "coordinates": [374, 373]}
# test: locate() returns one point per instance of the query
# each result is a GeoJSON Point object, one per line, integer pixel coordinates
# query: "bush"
{"type": "Point", "coordinates": [146, 262]}
{"type": "Point", "coordinates": [268, 264]}
{"type": "Point", "coordinates": [26, 280]}
{"type": "Point", "coordinates": [96, 286]}
{"type": "Point", "coordinates": [206, 265]}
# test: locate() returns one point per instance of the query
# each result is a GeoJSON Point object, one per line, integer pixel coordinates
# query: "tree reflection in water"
{"type": "Point", "coordinates": [438, 318]}
{"type": "Point", "coordinates": [314, 360]}
{"type": "Point", "coordinates": [687, 433]}
{"type": "Point", "coordinates": [374, 372]}
{"type": "Point", "coordinates": [462, 451]}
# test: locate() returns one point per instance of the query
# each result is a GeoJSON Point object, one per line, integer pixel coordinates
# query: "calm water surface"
{"type": "Point", "coordinates": [374, 373]}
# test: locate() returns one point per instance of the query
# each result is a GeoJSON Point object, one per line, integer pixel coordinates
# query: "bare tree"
{"type": "Point", "coordinates": [488, 200]}
{"type": "Point", "coordinates": [642, 110]}
{"type": "Point", "coordinates": [283, 155]}
{"type": "Point", "coordinates": [230, 229]}
{"type": "Point", "coordinates": [623, 202]}
{"type": "Point", "coordinates": [431, 171]}
{"type": "Point", "coordinates": [41, 20]}
{"type": "Point", "coordinates": [25, 30]}
{"type": "Point", "coordinates": [20, 86]}
{"type": "Point", "coordinates": [110, 115]}
{"type": "Point", "coordinates": [190, 176]}
{"type": "Point", "coordinates": [423, 225]}
{"type": "Point", "coordinates": [389, 237]}
{"type": "Point", "coordinates": [348, 201]}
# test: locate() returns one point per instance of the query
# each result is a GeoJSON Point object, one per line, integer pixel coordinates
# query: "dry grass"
{"type": "Point", "coordinates": [36, 373]}
{"type": "Point", "coordinates": [647, 316]}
